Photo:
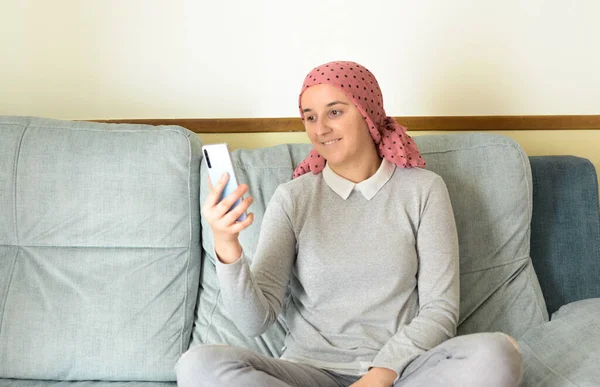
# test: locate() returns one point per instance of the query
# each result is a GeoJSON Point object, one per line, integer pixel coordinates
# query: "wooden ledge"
{"type": "Point", "coordinates": [441, 123]}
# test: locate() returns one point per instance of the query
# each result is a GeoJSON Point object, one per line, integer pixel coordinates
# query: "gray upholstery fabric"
{"type": "Point", "coordinates": [51, 383]}
{"type": "Point", "coordinates": [99, 249]}
{"type": "Point", "coordinates": [489, 180]}
{"type": "Point", "coordinates": [565, 239]}
{"type": "Point", "coordinates": [263, 170]}
{"type": "Point", "coordinates": [566, 350]}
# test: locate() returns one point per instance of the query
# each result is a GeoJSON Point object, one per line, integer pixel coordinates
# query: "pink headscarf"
{"type": "Point", "coordinates": [360, 86]}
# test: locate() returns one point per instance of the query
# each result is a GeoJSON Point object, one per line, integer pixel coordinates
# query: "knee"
{"type": "Point", "coordinates": [201, 364]}
{"type": "Point", "coordinates": [502, 347]}
{"type": "Point", "coordinates": [503, 352]}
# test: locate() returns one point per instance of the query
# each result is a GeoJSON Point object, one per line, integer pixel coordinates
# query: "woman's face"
{"type": "Point", "coordinates": [336, 127]}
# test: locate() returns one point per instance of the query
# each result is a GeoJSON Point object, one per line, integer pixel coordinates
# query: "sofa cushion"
{"type": "Point", "coordinates": [565, 231]}
{"type": "Point", "coordinates": [566, 350]}
{"type": "Point", "coordinates": [99, 249]}
{"type": "Point", "coordinates": [489, 182]}
{"type": "Point", "coordinates": [263, 170]}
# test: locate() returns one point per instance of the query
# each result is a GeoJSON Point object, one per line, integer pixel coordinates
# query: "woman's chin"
{"type": "Point", "coordinates": [334, 161]}
{"type": "Point", "coordinates": [333, 156]}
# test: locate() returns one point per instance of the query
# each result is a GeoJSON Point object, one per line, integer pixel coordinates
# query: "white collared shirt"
{"type": "Point", "coordinates": [368, 188]}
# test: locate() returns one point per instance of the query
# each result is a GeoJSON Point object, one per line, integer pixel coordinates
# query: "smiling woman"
{"type": "Point", "coordinates": [374, 132]}
{"type": "Point", "coordinates": [355, 317]}
{"type": "Point", "coordinates": [339, 133]}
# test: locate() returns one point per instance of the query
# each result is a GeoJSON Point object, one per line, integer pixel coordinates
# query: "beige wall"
{"type": "Point", "coordinates": [188, 58]}
{"type": "Point", "coordinates": [76, 59]}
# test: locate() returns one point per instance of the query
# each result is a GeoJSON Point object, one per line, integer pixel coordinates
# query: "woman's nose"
{"type": "Point", "coordinates": [322, 127]}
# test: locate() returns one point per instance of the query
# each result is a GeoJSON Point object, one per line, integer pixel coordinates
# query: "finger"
{"type": "Point", "coordinates": [229, 200]}
{"type": "Point", "coordinates": [220, 212]}
{"type": "Point", "coordinates": [239, 226]}
{"type": "Point", "coordinates": [215, 191]}
{"type": "Point", "coordinates": [241, 208]}
{"type": "Point", "coordinates": [514, 343]}
{"type": "Point", "coordinates": [214, 194]}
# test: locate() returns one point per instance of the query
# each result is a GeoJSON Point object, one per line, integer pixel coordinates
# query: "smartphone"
{"type": "Point", "coordinates": [218, 161]}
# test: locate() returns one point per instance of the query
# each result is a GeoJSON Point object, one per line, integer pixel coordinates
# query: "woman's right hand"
{"type": "Point", "coordinates": [224, 225]}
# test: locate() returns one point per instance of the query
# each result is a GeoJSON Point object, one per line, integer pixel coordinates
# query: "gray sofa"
{"type": "Point", "coordinates": [106, 274]}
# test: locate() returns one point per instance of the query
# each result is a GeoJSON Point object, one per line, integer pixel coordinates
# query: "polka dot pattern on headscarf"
{"type": "Point", "coordinates": [361, 87]}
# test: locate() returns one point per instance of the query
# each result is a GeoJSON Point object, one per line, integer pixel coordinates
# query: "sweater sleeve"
{"type": "Point", "coordinates": [253, 294]}
{"type": "Point", "coordinates": [437, 283]}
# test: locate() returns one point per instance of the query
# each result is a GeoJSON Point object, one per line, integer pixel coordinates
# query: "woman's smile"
{"type": "Point", "coordinates": [331, 142]}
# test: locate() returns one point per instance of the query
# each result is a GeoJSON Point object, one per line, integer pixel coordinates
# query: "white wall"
{"type": "Point", "coordinates": [237, 58]}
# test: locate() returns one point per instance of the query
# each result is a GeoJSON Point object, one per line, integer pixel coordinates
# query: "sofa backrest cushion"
{"type": "Point", "coordinates": [565, 240]}
{"type": "Point", "coordinates": [263, 170]}
{"type": "Point", "coordinates": [99, 249]}
{"type": "Point", "coordinates": [489, 181]}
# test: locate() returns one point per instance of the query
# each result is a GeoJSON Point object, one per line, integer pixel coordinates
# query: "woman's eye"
{"type": "Point", "coordinates": [336, 112]}
{"type": "Point", "coordinates": [310, 118]}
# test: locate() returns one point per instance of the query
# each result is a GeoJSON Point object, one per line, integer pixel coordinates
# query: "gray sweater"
{"type": "Point", "coordinates": [353, 266]}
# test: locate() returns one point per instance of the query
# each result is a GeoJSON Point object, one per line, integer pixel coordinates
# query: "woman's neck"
{"type": "Point", "coordinates": [358, 171]}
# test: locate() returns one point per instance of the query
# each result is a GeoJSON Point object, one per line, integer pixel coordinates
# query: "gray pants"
{"type": "Point", "coordinates": [482, 359]}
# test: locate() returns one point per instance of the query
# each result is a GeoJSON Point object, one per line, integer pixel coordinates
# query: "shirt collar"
{"type": "Point", "coordinates": [368, 188]}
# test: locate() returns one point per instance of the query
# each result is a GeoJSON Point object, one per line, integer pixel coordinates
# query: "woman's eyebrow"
{"type": "Point", "coordinates": [330, 104]}
{"type": "Point", "coordinates": [335, 103]}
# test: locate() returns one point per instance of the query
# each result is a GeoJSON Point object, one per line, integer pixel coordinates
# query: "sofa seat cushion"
{"type": "Point", "coordinates": [566, 350]}
{"type": "Point", "coordinates": [99, 249]}
{"type": "Point", "coordinates": [53, 383]}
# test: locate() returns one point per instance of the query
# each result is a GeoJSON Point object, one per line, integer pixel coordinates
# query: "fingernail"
{"type": "Point", "coordinates": [224, 176]}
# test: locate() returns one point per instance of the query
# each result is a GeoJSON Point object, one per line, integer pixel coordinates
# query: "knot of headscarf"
{"type": "Point", "coordinates": [361, 87]}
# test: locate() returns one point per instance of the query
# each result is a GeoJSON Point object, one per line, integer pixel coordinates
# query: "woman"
{"type": "Point", "coordinates": [366, 239]}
